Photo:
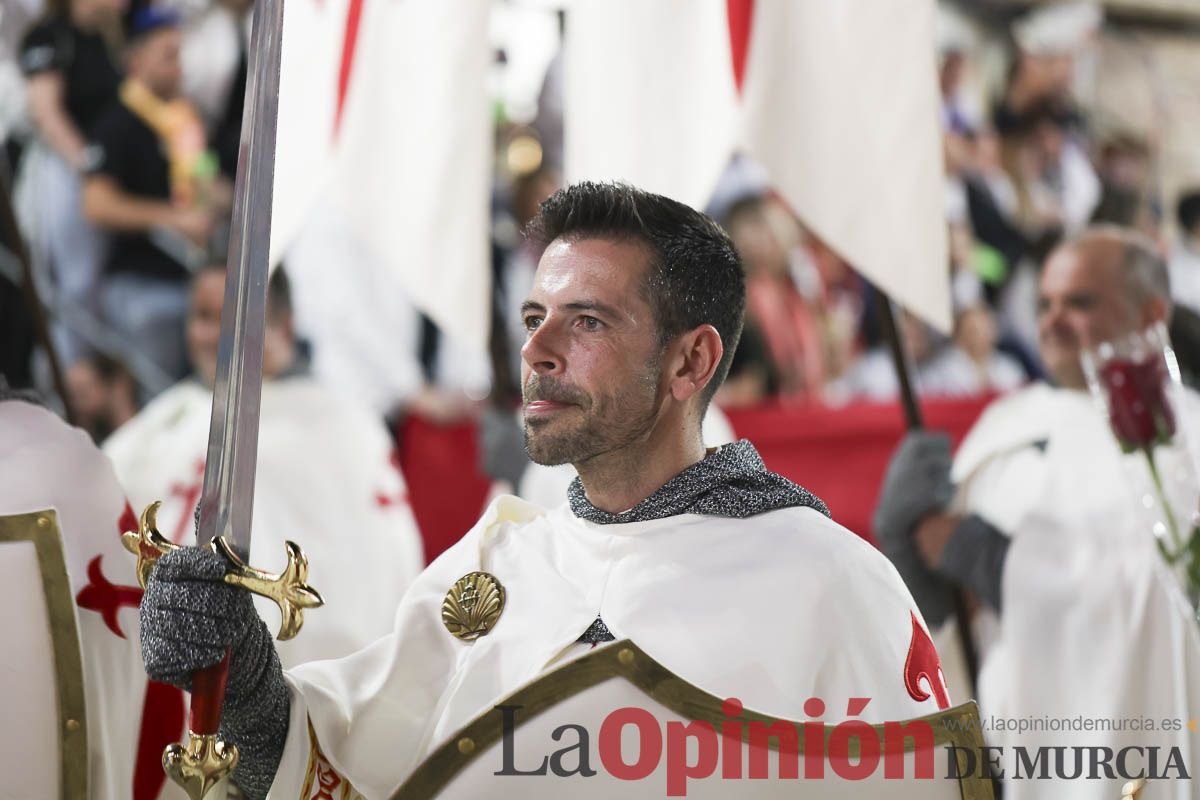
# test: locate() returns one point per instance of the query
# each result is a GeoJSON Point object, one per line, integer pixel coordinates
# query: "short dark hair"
{"type": "Point", "coordinates": [1188, 210]}
{"type": "Point", "coordinates": [279, 289]}
{"type": "Point", "coordinates": [279, 295]}
{"type": "Point", "coordinates": [694, 276]}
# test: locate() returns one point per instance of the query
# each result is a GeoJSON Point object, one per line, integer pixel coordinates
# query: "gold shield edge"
{"type": "Point", "coordinates": [958, 725]}
{"type": "Point", "coordinates": [41, 528]}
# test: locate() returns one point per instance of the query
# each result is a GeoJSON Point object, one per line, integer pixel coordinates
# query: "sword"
{"type": "Point", "coordinates": [228, 493]}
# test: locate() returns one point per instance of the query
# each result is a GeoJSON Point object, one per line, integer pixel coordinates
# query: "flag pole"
{"type": "Point", "coordinates": [914, 422]}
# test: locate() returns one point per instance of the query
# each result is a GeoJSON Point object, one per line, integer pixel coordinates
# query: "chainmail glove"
{"type": "Point", "coordinates": [189, 616]}
{"type": "Point", "coordinates": [974, 558]}
{"type": "Point", "coordinates": [917, 483]}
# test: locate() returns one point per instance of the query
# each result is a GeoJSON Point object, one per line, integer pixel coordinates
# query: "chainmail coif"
{"type": "Point", "coordinates": [732, 482]}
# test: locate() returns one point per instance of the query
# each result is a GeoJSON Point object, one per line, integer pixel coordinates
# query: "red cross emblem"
{"type": "Point", "coordinates": [189, 494]}
{"type": "Point", "coordinates": [923, 664]}
{"type": "Point", "coordinates": [399, 498]}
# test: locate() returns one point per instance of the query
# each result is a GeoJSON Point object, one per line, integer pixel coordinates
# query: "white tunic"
{"type": "Point", "coordinates": [773, 610]}
{"type": "Point", "coordinates": [46, 464]}
{"type": "Point", "coordinates": [1092, 626]}
{"type": "Point", "coordinates": [326, 479]}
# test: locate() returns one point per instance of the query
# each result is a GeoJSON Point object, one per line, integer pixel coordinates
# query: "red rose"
{"type": "Point", "coordinates": [1138, 409]}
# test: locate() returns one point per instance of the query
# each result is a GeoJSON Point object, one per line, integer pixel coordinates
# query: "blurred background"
{"type": "Point", "coordinates": [410, 158]}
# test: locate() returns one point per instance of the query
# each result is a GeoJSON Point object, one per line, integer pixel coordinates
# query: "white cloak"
{"type": "Point", "coordinates": [46, 464]}
{"type": "Point", "coordinates": [772, 610]}
{"type": "Point", "coordinates": [326, 479]}
{"type": "Point", "coordinates": [1091, 624]}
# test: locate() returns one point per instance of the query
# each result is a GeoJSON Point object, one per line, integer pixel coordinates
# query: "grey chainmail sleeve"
{"type": "Point", "coordinates": [189, 616]}
{"type": "Point", "coordinates": [974, 558]}
{"type": "Point", "coordinates": [917, 482]}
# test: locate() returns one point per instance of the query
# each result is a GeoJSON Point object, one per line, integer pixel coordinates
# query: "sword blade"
{"type": "Point", "coordinates": [227, 500]}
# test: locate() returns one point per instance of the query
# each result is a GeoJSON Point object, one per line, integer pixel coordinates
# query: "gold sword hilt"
{"type": "Point", "coordinates": [206, 760]}
{"type": "Point", "coordinates": [289, 589]}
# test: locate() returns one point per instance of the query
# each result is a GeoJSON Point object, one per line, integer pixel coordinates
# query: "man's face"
{"type": "Point", "coordinates": [204, 323]}
{"type": "Point", "coordinates": [590, 367]}
{"type": "Point", "coordinates": [156, 62]}
{"type": "Point", "coordinates": [1082, 302]}
{"type": "Point", "coordinates": [86, 391]}
{"type": "Point", "coordinates": [204, 331]}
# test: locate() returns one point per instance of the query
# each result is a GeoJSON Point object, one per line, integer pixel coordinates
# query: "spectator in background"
{"type": "Point", "coordinates": [1040, 124]}
{"type": "Point", "coordinates": [873, 376]}
{"type": "Point", "coordinates": [103, 395]}
{"type": "Point", "coordinates": [837, 293]}
{"type": "Point", "coordinates": [151, 184]}
{"type": "Point", "coordinates": [764, 234]}
{"type": "Point", "coordinates": [215, 67]}
{"type": "Point", "coordinates": [1125, 174]}
{"type": "Point", "coordinates": [970, 364]}
{"type": "Point", "coordinates": [1184, 270]}
{"type": "Point", "coordinates": [1185, 255]}
{"type": "Point", "coordinates": [227, 133]}
{"type": "Point", "coordinates": [514, 261]}
{"type": "Point", "coordinates": [356, 503]}
{"type": "Point", "coordinates": [71, 79]}
{"type": "Point", "coordinates": [752, 379]}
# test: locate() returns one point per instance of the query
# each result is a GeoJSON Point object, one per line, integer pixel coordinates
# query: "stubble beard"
{"type": "Point", "coordinates": [608, 423]}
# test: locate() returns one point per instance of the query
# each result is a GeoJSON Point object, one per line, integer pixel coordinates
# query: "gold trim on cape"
{"type": "Point", "coordinates": [959, 725]}
{"type": "Point", "coordinates": [41, 528]}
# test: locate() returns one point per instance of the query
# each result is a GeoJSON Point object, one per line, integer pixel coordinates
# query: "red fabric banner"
{"type": "Point", "coordinates": [839, 454]}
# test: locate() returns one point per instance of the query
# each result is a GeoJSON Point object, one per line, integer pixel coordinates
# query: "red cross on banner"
{"type": "Point", "coordinates": [189, 494]}
{"type": "Point", "coordinates": [740, 14]}
{"type": "Point", "coordinates": [346, 63]}
{"type": "Point", "coordinates": [399, 498]}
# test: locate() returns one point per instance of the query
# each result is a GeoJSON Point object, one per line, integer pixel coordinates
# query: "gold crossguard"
{"type": "Point", "coordinates": [289, 589]}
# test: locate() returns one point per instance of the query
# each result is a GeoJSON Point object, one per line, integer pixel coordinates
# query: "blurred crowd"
{"type": "Point", "coordinates": [121, 152]}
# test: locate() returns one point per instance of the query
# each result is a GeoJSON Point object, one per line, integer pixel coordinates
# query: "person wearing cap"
{"type": "Point", "coordinates": [149, 183]}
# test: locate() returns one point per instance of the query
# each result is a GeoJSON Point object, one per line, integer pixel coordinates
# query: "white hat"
{"type": "Point", "coordinates": [1059, 27]}
{"type": "Point", "coordinates": [954, 32]}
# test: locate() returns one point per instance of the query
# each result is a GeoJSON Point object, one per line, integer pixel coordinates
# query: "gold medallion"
{"type": "Point", "coordinates": [473, 605]}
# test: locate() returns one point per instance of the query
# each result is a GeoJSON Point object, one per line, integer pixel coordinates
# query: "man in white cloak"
{"type": "Point", "coordinates": [731, 576]}
{"type": "Point", "coordinates": [46, 464]}
{"type": "Point", "coordinates": [327, 479]}
{"type": "Point", "coordinates": [1037, 517]}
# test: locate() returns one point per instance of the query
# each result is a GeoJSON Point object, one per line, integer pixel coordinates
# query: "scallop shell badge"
{"type": "Point", "coordinates": [473, 605]}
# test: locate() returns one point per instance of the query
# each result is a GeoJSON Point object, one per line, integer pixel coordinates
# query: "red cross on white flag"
{"type": "Point", "coordinates": [384, 116]}
{"type": "Point", "coordinates": [837, 100]}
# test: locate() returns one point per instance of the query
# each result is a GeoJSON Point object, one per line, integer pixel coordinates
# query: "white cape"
{"type": "Point", "coordinates": [771, 610]}
{"type": "Point", "coordinates": [46, 464]}
{"type": "Point", "coordinates": [1092, 626]}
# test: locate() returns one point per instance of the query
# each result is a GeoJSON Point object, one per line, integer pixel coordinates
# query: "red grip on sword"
{"type": "Point", "coordinates": [208, 696]}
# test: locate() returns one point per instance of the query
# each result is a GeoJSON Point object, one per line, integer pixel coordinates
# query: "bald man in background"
{"type": "Point", "coordinates": [1037, 517]}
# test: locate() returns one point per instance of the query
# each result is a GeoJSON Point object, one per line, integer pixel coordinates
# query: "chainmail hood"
{"type": "Point", "coordinates": [731, 482]}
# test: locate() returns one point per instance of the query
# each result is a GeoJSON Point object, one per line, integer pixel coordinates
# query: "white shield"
{"type": "Point", "coordinates": [616, 723]}
{"type": "Point", "coordinates": [43, 741]}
